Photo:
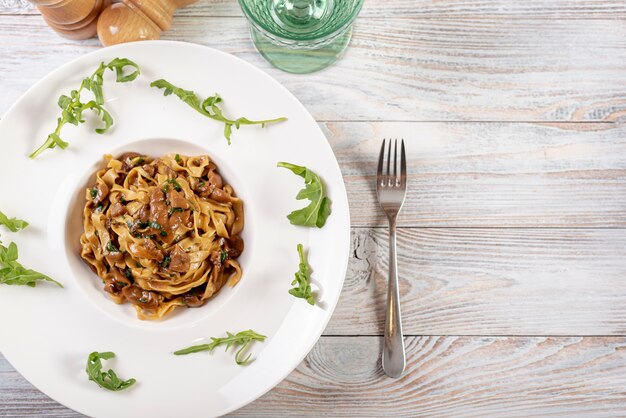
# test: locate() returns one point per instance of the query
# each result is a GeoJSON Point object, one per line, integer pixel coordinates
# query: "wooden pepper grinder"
{"type": "Point", "coordinates": [136, 20]}
{"type": "Point", "coordinates": [73, 19]}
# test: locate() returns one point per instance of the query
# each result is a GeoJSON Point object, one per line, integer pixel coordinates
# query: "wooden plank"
{"type": "Point", "coordinates": [490, 174]}
{"type": "Point", "coordinates": [446, 376]}
{"type": "Point", "coordinates": [402, 69]}
{"type": "Point", "coordinates": [563, 9]}
{"type": "Point", "coordinates": [456, 377]}
{"type": "Point", "coordinates": [488, 282]}
{"type": "Point", "coordinates": [474, 9]}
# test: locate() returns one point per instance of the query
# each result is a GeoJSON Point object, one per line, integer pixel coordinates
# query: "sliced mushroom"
{"type": "Point", "coordinates": [220, 195]}
{"type": "Point", "coordinates": [179, 260]}
{"type": "Point", "coordinates": [126, 159]}
{"type": "Point", "coordinates": [144, 298]}
{"type": "Point", "coordinates": [177, 199]}
{"type": "Point", "coordinates": [158, 208]}
{"type": "Point", "coordinates": [117, 209]}
{"type": "Point", "coordinates": [117, 283]}
{"type": "Point", "coordinates": [144, 213]}
{"type": "Point", "coordinates": [193, 298]}
{"type": "Point", "coordinates": [102, 191]}
{"type": "Point", "coordinates": [234, 246]}
{"type": "Point", "coordinates": [180, 219]}
{"type": "Point", "coordinates": [147, 250]}
{"type": "Point", "coordinates": [215, 179]}
{"type": "Point", "coordinates": [149, 168]}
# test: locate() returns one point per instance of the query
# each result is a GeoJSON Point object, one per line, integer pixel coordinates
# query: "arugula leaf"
{"type": "Point", "coordinates": [13, 224]}
{"type": "Point", "coordinates": [302, 280]}
{"type": "Point", "coordinates": [317, 211]}
{"type": "Point", "coordinates": [13, 273]}
{"type": "Point", "coordinates": [72, 107]}
{"type": "Point", "coordinates": [107, 380]}
{"type": "Point", "coordinates": [243, 339]}
{"type": "Point", "coordinates": [209, 107]}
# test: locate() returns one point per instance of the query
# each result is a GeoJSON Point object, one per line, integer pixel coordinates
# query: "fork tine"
{"type": "Point", "coordinates": [402, 165]}
{"type": "Point", "coordinates": [395, 159]}
{"type": "Point", "coordinates": [381, 157]}
{"type": "Point", "coordinates": [389, 158]}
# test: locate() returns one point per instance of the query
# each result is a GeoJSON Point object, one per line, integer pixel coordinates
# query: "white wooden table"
{"type": "Point", "coordinates": [512, 247]}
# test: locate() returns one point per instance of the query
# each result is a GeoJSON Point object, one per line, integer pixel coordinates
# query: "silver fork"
{"type": "Point", "coordinates": [391, 191]}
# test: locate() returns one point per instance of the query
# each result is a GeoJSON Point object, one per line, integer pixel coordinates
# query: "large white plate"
{"type": "Point", "coordinates": [47, 332]}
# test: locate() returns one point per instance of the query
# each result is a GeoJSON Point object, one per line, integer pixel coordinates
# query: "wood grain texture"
{"type": "Point", "coordinates": [488, 282]}
{"type": "Point", "coordinates": [562, 9]}
{"type": "Point", "coordinates": [513, 229]}
{"type": "Point", "coordinates": [461, 377]}
{"type": "Point", "coordinates": [536, 9]}
{"type": "Point", "coordinates": [446, 376]}
{"type": "Point", "coordinates": [490, 174]}
{"type": "Point", "coordinates": [403, 69]}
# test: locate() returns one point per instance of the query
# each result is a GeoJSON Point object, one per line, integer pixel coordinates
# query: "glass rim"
{"type": "Point", "coordinates": [259, 26]}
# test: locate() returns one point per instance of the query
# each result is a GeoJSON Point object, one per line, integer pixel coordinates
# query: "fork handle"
{"type": "Point", "coordinates": [394, 359]}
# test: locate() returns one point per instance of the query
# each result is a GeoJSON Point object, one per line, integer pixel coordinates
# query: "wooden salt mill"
{"type": "Point", "coordinates": [73, 19]}
{"type": "Point", "coordinates": [136, 20]}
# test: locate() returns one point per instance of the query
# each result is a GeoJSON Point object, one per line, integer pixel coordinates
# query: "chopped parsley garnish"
{"type": "Point", "coordinates": [128, 273]}
{"type": "Point", "coordinates": [166, 261]}
{"type": "Point", "coordinates": [174, 184]}
{"type": "Point", "coordinates": [177, 158]}
{"type": "Point", "coordinates": [112, 248]}
{"type": "Point", "coordinates": [163, 233]}
{"type": "Point", "coordinates": [120, 285]}
{"type": "Point", "coordinates": [172, 210]}
{"type": "Point", "coordinates": [223, 256]}
{"type": "Point", "coordinates": [155, 225]}
{"type": "Point", "coordinates": [93, 192]}
{"type": "Point", "coordinates": [140, 225]}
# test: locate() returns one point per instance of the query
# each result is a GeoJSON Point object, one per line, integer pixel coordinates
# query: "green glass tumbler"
{"type": "Point", "coordinates": [301, 36]}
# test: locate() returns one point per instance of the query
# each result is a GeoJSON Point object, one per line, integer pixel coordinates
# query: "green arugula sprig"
{"type": "Point", "coordinates": [72, 107]}
{"type": "Point", "coordinates": [209, 107]}
{"type": "Point", "coordinates": [243, 339]}
{"type": "Point", "coordinates": [13, 224]}
{"type": "Point", "coordinates": [302, 281]}
{"type": "Point", "coordinates": [316, 213]}
{"type": "Point", "coordinates": [107, 380]}
{"type": "Point", "coordinates": [13, 273]}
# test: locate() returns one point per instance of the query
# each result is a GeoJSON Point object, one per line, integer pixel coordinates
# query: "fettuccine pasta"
{"type": "Point", "coordinates": [162, 233]}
